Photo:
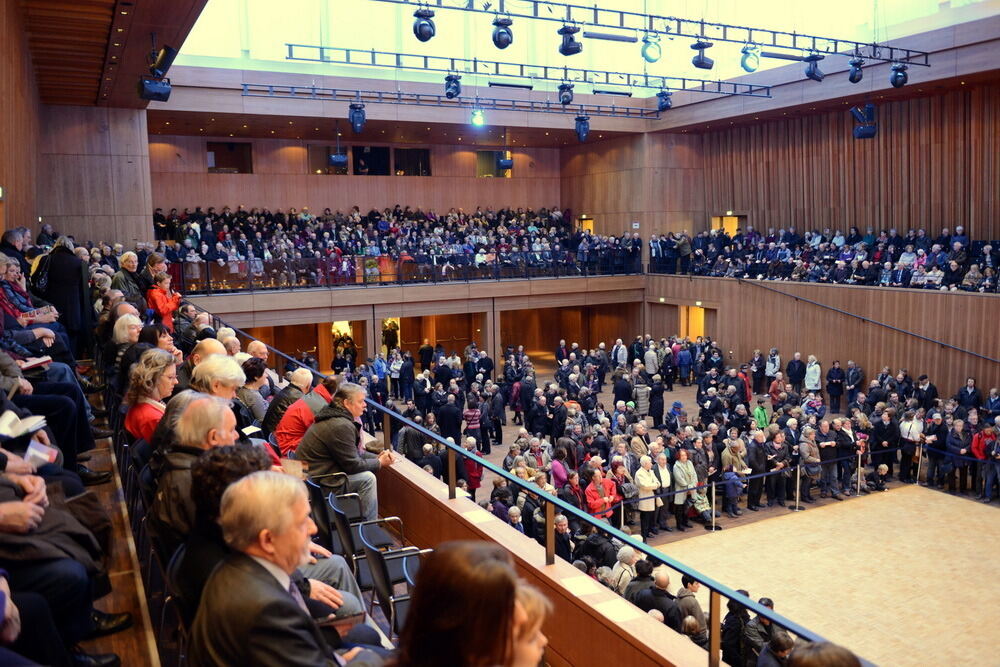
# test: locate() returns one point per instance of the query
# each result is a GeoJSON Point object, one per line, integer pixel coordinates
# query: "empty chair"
{"type": "Point", "coordinates": [386, 567]}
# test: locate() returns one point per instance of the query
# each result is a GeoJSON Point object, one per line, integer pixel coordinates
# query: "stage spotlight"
{"type": "Point", "coordinates": [503, 36]}
{"type": "Point", "coordinates": [812, 66]}
{"type": "Point", "coordinates": [452, 87]}
{"type": "Point", "coordinates": [357, 117]}
{"type": "Point", "coordinates": [898, 77]}
{"type": "Point", "coordinates": [651, 50]}
{"type": "Point", "coordinates": [663, 101]}
{"type": "Point", "coordinates": [582, 127]}
{"type": "Point", "coordinates": [750, 60]}
{"type": "Point", "coordinates": [423, 26]}
{"type": "Point", "coordinates": [856, 73]}
{"type": "Point", "coordinates": [701, 61]}
{"type": "Point", "coordinates": [478, 118]}
{"type": "Point", "coordinates": [866, 128]}
{"type": "Point", "coordinates": [565, 93]}
{"type": "Point", "coordinates": [569, 46]}
{"type": "Point", "coordinates": [160, 61]}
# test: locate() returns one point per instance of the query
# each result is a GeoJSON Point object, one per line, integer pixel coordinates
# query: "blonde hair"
{"type": "Point", "coordinates": [146, 373]}
{"type": "Point", "coordinates": [220, 368]}
{"type": "Point", "coordinates": [536, 607]}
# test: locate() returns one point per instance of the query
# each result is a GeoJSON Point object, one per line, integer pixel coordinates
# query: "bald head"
{"type": "Point", "coordinates": [662, 578]}
{"type": "Point", "coordinates": [255, 348]}
{"type": "Point", "coordinates": [206, 348]}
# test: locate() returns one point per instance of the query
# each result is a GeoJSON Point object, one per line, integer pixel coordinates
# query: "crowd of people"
{"type": "Point", "coordinates": [300, 247]}
{"type": "Point", "coordinates": [211, 427]}
{"type": "Point", "coordinates": [917, 260]}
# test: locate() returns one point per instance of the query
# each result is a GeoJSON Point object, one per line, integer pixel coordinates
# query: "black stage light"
{"type": "Point", "coordinates": [565, 93]}
{"type": "Point", "coordinates": [582, 127]}
{"type": "Point", "coordinates": [423, 26]}
{"type": "Point", "coordinates": [663, 101]}
{"type": "Point", "coordinates": [898, 77]}
{"type": "Point", "coordinates": [812, 67]}
{"type": "Point", "coordinates": [569, 46]}
{"type": "Point", "coordinates": [866, 128]}
{"type": "Point", "coordinates": [452, 86]}
{"type": "Point", "coordinates": [701, 61]}
{"type": "Point", "coordinates": [357, 117]}
{"type": "Point", "coordinates": [856, 73]}
{"type": "Point", "coordinates": [502, 34]}
{"type": "Point", "coordinates": [160, 61]}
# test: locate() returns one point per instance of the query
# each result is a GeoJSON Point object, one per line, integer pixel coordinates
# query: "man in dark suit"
{"type": "Point", "coordinates": [658, 597]}
{"type": "Point", "coordinates": [925, 393]}
{"type": "Point", "coordinates": [251, 612]}
{"type": "Point", "coordinates": [450, 420]}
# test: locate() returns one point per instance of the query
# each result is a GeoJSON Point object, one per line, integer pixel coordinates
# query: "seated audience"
{"type": "Point", "coordinates": [151, 383]}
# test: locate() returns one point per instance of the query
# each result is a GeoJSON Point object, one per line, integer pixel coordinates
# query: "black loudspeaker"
{"type": "Point", "coordinates": [154, 90]}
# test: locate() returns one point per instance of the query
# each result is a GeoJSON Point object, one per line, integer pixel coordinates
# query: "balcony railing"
{"type": "Point", "coordinates": [225, 275]}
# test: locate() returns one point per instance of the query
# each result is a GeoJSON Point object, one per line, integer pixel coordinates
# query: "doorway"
{"type": "Point", "coordinates": [729, 223]}
{"type": "Point", "coordinates": [586, 224]}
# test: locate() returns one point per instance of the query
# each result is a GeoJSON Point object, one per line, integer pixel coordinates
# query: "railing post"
{"type": "Point", "coordinates": [714, 629]}
{"type": "Point", "coordinates": [550, 533]}
{"type": "Point", "coordinates": [798, 489]}
{"type": "Point", "coordinates": [452, 472]}
{"type": "Point", "coordinates": [920, 459]}
{"type": "Point", "coordinates": [859, 472]}
{"type": "Point", "coordinates": [713, 506]}
{"type": "Point", "coordinates": [386, 430]}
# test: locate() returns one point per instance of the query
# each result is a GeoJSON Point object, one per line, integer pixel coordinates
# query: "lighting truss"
{"type": "Point", "coordinates": [352, 95]}
{"type": "Point", "coordinates": [618, 19]}
{"type": "Point", "coordinates": [411, 61]}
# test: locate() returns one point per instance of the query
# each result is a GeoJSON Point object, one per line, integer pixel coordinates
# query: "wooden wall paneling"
{"type": "Point", "coordinates": [19, 124]}
{"type": "Point", "coordinates": [750, 317]}
{"type": "Point", "coordinates": [933, 164]}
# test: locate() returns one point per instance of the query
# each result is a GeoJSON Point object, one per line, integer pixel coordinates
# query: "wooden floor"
{"type": "Point", "coordinates": [902, 577]}
{"type": "Point", "coordinates": [135, 646]}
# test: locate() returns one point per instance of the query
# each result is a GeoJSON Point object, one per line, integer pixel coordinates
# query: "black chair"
{"type": "Point", "coordinates": [174, 601]}
{"type": "Point", "coordinates": [387, 567]}
{"type": "Point", "coordinates": [326, 533]}
{"type": "Point", "coordinates": [345, 510]}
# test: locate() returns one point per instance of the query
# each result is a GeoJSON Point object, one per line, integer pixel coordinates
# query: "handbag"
{"type": "Point", "coordinates": [629, 490]}
{"type": "Point", "coordinates": [40, 278]}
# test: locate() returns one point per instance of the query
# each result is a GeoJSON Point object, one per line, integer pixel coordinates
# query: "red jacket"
{"type": "Point", "coordinates": [296, 421]}
{"type": "Point", "coordinates": [142, 418]}
{"type": "Point", "coordinates": [474, 471]}
{"type": "Point", "coordinates": [163, 305]}
{"type": "Point", "coordinates": [600, 507]}
{"type": "Point", "coordinates": [980, 444]}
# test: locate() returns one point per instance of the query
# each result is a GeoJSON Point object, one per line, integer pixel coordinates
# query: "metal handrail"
{"type": "Point", "coordinates": [552, 502]}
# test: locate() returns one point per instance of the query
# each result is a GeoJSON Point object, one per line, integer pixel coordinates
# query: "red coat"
{"type": "Point", "coordinates": [296, 421]}
{"type": "Point", "coordinates": [600, 507]}
{"type": "Point", "coordinates": [164, 305]}
{"type": "Point", "coordinates": [142, 418]}
{"type": "Point", "coordinates": [474, 471]}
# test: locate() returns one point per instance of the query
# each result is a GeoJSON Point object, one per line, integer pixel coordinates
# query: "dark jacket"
{"type": "Point", "coordinates": [657, 598]}
{"type": "Point", "coordinates": [67, 291]}
{"type": "Point", "coordinates": [279, 404]}
{"type": "Point", "coordinates": [756, 635]}
{"type": "Point", "coordinates": [636, 586]}
{"type": "Point", "coordinates": [247, 618]}
{"type": "Point", "coordinates": [332, 444]}
{"type": "Point", "coordinates": [172, 514]}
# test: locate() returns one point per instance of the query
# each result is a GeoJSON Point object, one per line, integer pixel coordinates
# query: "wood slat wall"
{"type": "Point", "coordinates": [750, 317]}
{"type": "Point", "coordinates": [18, 121]}
{"type": "Point", "coordinates": [934, 163]}
{"type": "Point", "coordinates": [653, 179]}
{"type": "Point", "coordinates": [281, 179]}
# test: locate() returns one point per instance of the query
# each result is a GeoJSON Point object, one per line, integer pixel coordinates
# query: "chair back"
{"type": "Point", "coordinates": [342, 523]}
{"type": "Point", "coordinates": [320, 514]}
{"type": "Point", "coordinates": [185, 607]}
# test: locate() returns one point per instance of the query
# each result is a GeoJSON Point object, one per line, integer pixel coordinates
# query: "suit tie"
{"type": "Point", "coordinates": [296, 594]}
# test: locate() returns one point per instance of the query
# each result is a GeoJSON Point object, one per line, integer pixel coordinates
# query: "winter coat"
{"type": "Point", "coordinates": [648, 485]}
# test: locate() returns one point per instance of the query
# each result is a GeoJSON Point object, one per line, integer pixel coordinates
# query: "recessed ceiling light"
{"type": "Point", "coordinates": [244, 127]}
{"type": "Point", "coordinates": [201, 129]}
{"type": "Point", "coordinates": [121, 29]}
{"type": "Point", "coordinates": [290, 122]}
{"type": "Point", "coordinates": [272, 131]}
{"type": "Point", "coordinates": [124, 12]}
{"type": "Point", "coordinates": [230, 134]}
{"type": "Point", "coordinates": [316, 128]}
{"type": "Point", "coordinates": [116, 44]}
{"type": "Point", "coordinates": [168, 122]}
{"type": "Point", "coordinates": [212, 119]}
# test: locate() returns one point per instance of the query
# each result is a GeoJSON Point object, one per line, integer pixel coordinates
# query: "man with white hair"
{"type": "Point", "coordinates": [299, 385]}
{"type": "Point", "coordinates": [205, 423]}
{"type": "Point", "coordinates": [251, 611]}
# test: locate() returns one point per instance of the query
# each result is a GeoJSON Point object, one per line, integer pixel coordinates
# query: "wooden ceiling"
{"type": "Point", "coordinates": [246, 126]}
{"type": "Point", "coordinates": [92, 52]}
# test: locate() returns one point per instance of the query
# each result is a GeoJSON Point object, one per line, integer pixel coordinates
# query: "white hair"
{"type": "Point", "coordinates": [201, 416]}
{"type": "Point", "coordinates": [217, 367]}
{"type": "Point", "coordinates": [260, 501]}
{"type": "Point", "coordinates": [301, 378]}
{"type": "Point", "coordinates": [120, 334]}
